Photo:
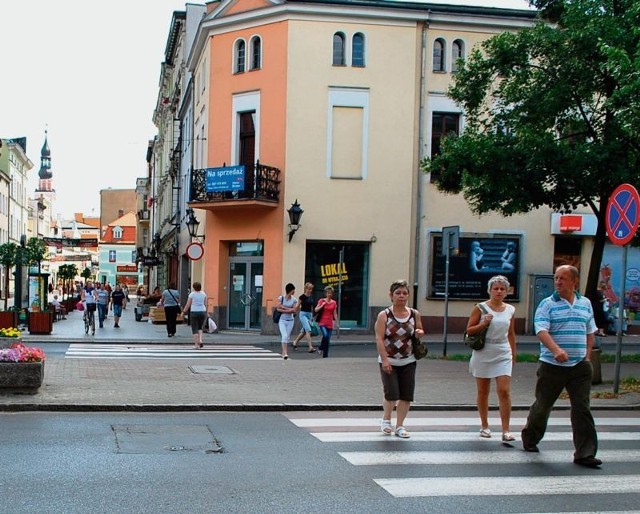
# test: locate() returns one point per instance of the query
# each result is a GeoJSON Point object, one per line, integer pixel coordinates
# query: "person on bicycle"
{"type": "Point", "coordinates": [88, 297]}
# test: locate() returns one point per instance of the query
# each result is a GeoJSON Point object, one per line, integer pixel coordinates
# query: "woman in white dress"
{"type": "Point", "coordinates": [496, 359]}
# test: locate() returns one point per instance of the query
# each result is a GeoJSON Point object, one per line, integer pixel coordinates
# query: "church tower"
{"type": "Point", "coordinates": [45, 175]}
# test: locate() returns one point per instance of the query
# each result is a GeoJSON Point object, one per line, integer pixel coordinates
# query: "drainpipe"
{"type": "Point", "coordinates": [421, 132]}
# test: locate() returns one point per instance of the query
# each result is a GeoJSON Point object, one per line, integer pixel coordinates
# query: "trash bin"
{"type": "Point", "coordinates": [597, 368]}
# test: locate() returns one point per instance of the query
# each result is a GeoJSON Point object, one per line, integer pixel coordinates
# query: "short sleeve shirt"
{"type": "Point", "coordinates": [568, 324]}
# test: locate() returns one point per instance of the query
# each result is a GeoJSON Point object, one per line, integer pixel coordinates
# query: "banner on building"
{"type": "Point", "coordinates": [69, 242]}
{"type": "Point", "coordinates": [227, 178]}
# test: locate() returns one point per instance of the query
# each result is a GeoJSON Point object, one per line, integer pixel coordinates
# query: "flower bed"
{"type": "Point", "coordinates": [21, 368]}
{"type": "Point", "coordinates": [9, 336]}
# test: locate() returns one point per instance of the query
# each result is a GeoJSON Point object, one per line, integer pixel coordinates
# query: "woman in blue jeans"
{"type": "Point", "coordinates": [327, 312]}
{"type": "Point", "coordinates": [305, 310]}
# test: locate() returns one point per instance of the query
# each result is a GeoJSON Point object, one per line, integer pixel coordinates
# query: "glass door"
{"type": "Point", "coordinates": [245, 293]}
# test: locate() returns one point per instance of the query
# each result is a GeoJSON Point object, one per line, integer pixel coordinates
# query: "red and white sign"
{"type": "Point", "coordinates": [570, 222]}
{"type": "Point", "coordinates": [195, 251]}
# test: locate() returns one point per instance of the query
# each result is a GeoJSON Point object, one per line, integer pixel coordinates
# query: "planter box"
{"type": "Point", "coordinates": [6, 342]}
{"type": "Point", "coordinates": [8, 319]}
{"type": "Point", "coordinates": [21, 375]}
{"type": "Point", "coordinates": [40, 322]}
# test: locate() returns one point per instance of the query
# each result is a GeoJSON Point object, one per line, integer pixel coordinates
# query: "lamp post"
{"type": "Point", "coordinates": [192, 224]}
{"type": "Point", "coordinates": [295, 214]}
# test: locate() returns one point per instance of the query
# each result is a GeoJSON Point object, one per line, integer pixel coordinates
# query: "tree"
{"type": "Point", "coordinates": [8, 260]}
{"type": "Point", "coordinates": [67, 272]}
{"type": "Point", "coordinates": [552, 115]}
{"type": "Point", "coordinates": [86, 273]}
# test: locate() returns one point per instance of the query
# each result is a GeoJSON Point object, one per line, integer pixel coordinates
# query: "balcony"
{"type": "Point", "coordinates": [261, 187]}
{"type": "Point", "coordinates": [144, 215]}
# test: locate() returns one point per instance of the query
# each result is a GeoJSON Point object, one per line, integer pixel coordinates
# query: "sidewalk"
{"type": "Point", "coordinates": [304, 382]}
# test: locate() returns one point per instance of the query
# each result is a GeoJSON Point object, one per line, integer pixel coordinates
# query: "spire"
{"type": "Point", "coordinates": [45, 160]}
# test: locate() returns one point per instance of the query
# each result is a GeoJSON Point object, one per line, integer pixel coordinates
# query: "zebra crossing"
{"type": "Point", "coordinates": [484, 467]}
{"type": "Point", "coordinates": [141, 351]}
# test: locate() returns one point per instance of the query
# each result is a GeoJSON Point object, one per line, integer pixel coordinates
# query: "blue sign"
{"type": "Point", "coordinates": [623, 214]}
{"type": "Point", "coordinates": [227, 178]}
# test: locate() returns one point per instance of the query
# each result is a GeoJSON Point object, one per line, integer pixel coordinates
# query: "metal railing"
{"type": "Point", "coordinates": [260, 183]}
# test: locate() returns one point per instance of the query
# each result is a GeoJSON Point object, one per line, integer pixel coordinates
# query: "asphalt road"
{"type": "Point", "coordinates": [303, 462]}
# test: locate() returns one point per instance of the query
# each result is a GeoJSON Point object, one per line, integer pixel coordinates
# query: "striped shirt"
{"type": "Point", "coordinates": [568, 324]}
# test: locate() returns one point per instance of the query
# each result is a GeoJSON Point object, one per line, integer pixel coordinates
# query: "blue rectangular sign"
{"type": "Point", "coordinates": [227, 178]}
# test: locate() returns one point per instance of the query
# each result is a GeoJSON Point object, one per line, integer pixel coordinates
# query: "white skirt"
{"type": "Point", "coordinates": [494, 360]}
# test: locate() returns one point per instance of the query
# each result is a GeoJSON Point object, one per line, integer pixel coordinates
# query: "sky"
{"type": "Point", "coordinates": [88, 73]}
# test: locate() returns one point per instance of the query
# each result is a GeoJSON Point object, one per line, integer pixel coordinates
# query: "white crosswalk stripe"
{"type": "Point", "coordinates": [217, 352]}
{"type": "Point", "coordinates": [472, 450]}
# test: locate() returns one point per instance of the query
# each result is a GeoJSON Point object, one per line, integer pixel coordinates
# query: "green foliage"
{"type": "Point", "coordinates": [86, 273]}
{"type": "Point", "coordinates": [66, 273]}
{"type": "Point", "coordinates": [552, 115]}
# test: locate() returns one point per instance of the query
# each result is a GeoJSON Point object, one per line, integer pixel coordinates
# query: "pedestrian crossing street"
{"type": "Point", "coordinates": [485, 467]}
{"type": "Point", "coordinates": [141, 351]}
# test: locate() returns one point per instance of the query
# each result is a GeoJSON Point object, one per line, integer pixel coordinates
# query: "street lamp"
{"type": "Point", "coordinates": [295, 213]}
{"type": "Point", "coordinates": [192, 225]}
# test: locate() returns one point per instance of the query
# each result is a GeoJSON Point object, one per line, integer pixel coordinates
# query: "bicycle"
{"type": "Point", "coordinates": [90, 318]}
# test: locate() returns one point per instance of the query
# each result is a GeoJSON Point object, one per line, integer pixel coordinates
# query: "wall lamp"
{"type": "Point", "coordinates": [192, 225]}
{"type": "Point", "coordinates": [295, 213]}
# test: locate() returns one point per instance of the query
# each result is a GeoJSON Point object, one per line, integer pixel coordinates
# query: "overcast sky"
{"type": "Point", "coordinates": [88, 72]}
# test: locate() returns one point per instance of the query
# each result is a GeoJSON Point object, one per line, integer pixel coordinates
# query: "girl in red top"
{"type": "Point", "coordinates": [328, 313]}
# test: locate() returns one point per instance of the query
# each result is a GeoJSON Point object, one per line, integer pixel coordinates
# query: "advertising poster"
{"type": "Point", "coordinates": [479, 258]}
{"type": "Point", "coordinates": [611, 278]}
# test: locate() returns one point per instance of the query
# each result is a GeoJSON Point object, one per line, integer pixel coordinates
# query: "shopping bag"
{"type": "Point", "coordinates": [211, 326]}
{"type": "Point", "coordinates": [314, 328]}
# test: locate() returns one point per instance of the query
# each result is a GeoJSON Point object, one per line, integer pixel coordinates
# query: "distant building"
{"type": "Point", "coordinates": [117, 254]}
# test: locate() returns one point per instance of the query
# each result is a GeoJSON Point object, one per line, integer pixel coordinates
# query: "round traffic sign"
{"type": "Point", "coordinates": [623, 214]}
{"type": "Point", "coordinates": [195, 251]}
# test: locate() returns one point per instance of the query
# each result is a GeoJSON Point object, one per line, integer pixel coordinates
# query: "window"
{"type": "Point", "coordinates": [338, 49]}
{"type": "Point", "coordinates": [439, 55]}
{"type": "Point", "coordinates": [240, 51]}
{"type": "Point", "coordinates": [117, 232]}
{"type": "Point", "coordinates": [112, 256]}
{"type": "Point", "coordinates": [256, 53]}
{"type": "Point", "coordinates": [457, 52]}
{"type": "Point", "coordinates": [357, 50]}
{"type": "Point", "coordinates": [348, 133]}
{"type": "Point", "coordinates": [442, 124]}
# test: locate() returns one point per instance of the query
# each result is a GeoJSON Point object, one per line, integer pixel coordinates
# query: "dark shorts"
{"type": "Point", "coordinates": [196, 320]}
{"type": "Point", "coordinates": [400, 384]}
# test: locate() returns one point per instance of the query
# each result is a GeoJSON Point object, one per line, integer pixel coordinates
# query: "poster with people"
{"type": "Point", "coordinates": [478, 259]}
{"type": "Point", "coordinates": [611, 281]}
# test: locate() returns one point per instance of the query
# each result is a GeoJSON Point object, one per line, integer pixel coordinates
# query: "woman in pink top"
{"type": "Point", "coordinates": [327, 312]}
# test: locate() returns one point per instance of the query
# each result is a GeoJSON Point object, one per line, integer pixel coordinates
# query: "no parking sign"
{"type": "Point", "coordinates": [623, 214]}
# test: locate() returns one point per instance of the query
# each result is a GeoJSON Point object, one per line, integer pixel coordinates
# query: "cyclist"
{"type": "Point", "coordinates": [88, 296]}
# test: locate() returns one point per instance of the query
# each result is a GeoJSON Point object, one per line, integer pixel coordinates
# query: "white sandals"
{"type": "Point", "coordinates": [401, 432]}
{"type": "Point", "coordinates": [485, 432]}
{"type": "Point", "coordinates": [385, 426]}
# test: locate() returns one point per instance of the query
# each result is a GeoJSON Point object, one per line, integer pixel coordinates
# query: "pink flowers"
{"type": "Point", "coordinates": [18, 352]}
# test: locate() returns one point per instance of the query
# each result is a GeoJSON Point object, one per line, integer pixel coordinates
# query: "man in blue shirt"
{"type": "Point", "coordinates": [565, 326]}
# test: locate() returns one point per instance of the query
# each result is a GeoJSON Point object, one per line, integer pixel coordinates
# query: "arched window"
{"type": "Point", "coordinates": [239, 57]}
{"type": "Point", "coordinates": [439, 55]}
{"type": "Point", "coordinates": [357, 50]}
{"type": "Point", "coordinates": [338, 49]}
{"type": "Point", "coordinates": [457, 52]}
{"type": "Point", "coordinates": [256, 53]}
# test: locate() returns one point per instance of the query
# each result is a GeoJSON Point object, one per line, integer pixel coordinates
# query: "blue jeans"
{"type": "Point", "coordinates": [102, 312]}
{"type": "Point", "coordinates": [551, 381]}
{"type": "Point", "coordinates": [326, 339]}
{"type": "Point", "coordinates": [305, 322]}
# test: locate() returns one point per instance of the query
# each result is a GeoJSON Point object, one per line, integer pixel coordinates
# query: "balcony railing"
{"type": "Point", "coordinates": [260, 183]}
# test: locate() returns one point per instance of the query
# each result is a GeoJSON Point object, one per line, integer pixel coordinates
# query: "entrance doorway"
{"type": "Point", "coordinates": [245, 293]}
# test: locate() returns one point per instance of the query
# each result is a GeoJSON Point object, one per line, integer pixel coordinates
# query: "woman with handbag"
{"type": "Point", "coordinates": [169, 300]}
{"type": "Point", "coordinates": [395, 328]}
{"type": "Point", "coordinates": [287, 306]}
{"type": "Point", "coordinates": [197, 308]}
{"type": "Point", "coordinates": [496, 359]}
{"type": "Point", "coordinates": [305, 311]}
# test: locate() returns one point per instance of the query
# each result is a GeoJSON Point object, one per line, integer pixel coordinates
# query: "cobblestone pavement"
{"type": "Point", "coordinates": [305, 381]}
